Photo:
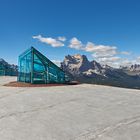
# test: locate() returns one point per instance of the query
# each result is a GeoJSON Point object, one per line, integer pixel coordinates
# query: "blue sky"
{"type": "Point", "coordinates": [105, 30]}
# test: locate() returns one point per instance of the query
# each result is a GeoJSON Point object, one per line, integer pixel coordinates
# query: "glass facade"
{"type": "Point", "coordinates": [34, 67]}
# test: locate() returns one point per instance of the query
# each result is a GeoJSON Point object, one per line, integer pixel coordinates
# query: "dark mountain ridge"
{"type": "Point", "coordinates": [8, 69]}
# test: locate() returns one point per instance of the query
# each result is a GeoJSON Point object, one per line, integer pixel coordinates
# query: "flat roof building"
{"type": "Point", "coordinates": [34, 67]}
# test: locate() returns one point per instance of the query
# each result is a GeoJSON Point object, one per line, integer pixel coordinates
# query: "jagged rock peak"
{"type": "Point", "coordinates": [134, 67]}
{"type": "Point", "coordinates": [1, 59]}
{"type": "Point", "coordinates": [3, 62]}
{"type": "Point", "coordinates": [79, 64]}
{"type": "Point", "coordinates": [76, 57]}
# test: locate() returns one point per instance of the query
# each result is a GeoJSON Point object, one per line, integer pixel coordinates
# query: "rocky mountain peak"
{"type": "Point", "coordinates": [3, 62]}
{"type": "Point", "coordinates": [132, 68]}
{"type": "Point", "coordinates": [79, 64]}
{"type": "Point", "coordinates": [11, 68]}
{"type": "Point", "coordinates": [135, 67]}
{"type": "Point", "coordinates": [75, 64]}
{"type": "Point", "coordinates": [75, 58]}
{"type": "Point", "coordinates": [1, 59]}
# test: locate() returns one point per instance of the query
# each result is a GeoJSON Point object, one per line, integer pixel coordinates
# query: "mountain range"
{"type": "Point", "coordinates": [79, 68]}
{"type": "Point", "coordinates": [7, 69]}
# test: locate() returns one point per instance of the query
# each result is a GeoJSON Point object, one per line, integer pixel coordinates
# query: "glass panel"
{"type": "Point", "coordinates": [39, 70]}
{"type": "Point", "coordinates": [25, 68]}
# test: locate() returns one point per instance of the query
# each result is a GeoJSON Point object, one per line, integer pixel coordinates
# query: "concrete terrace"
{"type": "Point", "coordinates": [78, 112]}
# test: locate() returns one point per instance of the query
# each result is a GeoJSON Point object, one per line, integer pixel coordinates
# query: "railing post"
{"type": "Point", "coordinates": [32, 65]}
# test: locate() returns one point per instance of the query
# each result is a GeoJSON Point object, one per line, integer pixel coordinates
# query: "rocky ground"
{"type": "Point", "coordinates": [77, 112]}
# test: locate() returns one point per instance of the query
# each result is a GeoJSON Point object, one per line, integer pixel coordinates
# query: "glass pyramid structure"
{"type": "Point", "coordinates": [35, 68]}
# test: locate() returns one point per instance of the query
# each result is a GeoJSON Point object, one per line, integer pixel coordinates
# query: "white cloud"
{"type": "Point", "coordinates": [129, 62]}
{"type": "Point", "coordinates": [100, 51]}
{"type": "Point", "coordinates": [62, 38]}
{"type": "Point", "coordinates": [125, 53]}
{"type": "Point", "coordinates": [138, 59]}
{"type": "Point", "coordinates": [76, 44]}
{"type": "Point", "coordinates": [105, 54]}
{"type": "Point", "coordinates": [109, 59]}
{"type": "Point", "coordinates": [96, 50]}
{"type": "Point", "coordinates": [126, 62]}
{"type": "Point", "coordinates": [48, 40]}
